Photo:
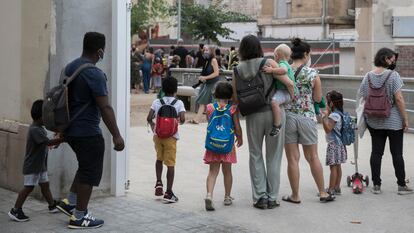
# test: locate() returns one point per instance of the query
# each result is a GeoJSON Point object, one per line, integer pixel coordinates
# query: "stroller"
{"type": "Point", "coordinates": [357, 179]}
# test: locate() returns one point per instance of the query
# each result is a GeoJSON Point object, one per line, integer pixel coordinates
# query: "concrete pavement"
{"type": "Point", "coordinates": [387, 212]}
{"type": "Point", "coordinates": [139, 211]}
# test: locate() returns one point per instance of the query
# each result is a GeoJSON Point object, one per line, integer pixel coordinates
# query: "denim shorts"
{"type": "Point", "coordinates": [35, 178]}
{"type": "Point", "coordinates": [281, 97]}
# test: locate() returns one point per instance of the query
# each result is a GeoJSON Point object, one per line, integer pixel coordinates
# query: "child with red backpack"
{"type": "Point", "coordinates": [169, 112]}
{"type": "Point", "coordinates": [223, 127]}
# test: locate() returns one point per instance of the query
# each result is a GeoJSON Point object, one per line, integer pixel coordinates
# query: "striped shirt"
{"type": "Point", "coordinates": [394, 84]}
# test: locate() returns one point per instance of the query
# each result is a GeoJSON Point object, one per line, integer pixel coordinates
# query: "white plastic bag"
{"type": "Point", "coordinates": [361, 124]}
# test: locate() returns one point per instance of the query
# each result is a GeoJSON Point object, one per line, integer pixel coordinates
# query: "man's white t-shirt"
{"type": "Point", "coordinates": [179, 107]}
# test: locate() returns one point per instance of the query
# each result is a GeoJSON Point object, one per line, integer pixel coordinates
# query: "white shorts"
{"type": "Point", "coordinates": [35, 179]}
{"type": "Point", "coordinates": [281, 97]}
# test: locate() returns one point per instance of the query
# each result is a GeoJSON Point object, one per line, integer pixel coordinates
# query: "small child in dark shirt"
{"type": "Point", "coordinates": [35, 164]}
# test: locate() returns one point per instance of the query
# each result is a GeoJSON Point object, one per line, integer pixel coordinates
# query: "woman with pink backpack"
{"type": "Point", "coordinates": [385, 116]}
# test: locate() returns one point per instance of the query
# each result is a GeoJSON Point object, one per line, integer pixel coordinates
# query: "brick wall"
{"type": "Point", "coordinates": [405, 64]}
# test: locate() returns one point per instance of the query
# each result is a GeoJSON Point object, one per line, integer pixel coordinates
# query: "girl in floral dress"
{"type": "Point", "coordinates": [336, 151]}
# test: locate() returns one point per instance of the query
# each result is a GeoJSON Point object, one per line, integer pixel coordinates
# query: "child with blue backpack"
{"type": "Point", "coordinates": [339, 133]}
{"type": "Point", "coordinates": [223, 127]}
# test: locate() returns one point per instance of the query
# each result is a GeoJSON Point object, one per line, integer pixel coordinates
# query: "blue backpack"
{"type": "Point", "coordinates": [220, 130]}
{"type": "Point", "coordinates": [347, 134]}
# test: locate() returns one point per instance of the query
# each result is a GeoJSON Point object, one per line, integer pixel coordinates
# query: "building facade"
{"type": "Point", "coordinates": [310, 19]}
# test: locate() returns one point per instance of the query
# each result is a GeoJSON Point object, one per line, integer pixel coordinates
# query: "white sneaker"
{"type": "Point", "coordinates": [403, 190]}
{"type": "Point", "coordinates": [228, 200]}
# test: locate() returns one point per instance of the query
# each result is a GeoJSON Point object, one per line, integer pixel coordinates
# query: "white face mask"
{"type": "Point", "coordinates": [101, 57]}
{"type": "Point", "coordinates": [309, 63]}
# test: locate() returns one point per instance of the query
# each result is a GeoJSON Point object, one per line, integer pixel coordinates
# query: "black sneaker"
{"type": "Point", "coordinates": [169, 197]}
{"type": "Point", "coordinates": [65, 208]}
{"type": "Point", "coordinates": [261, 203]}
{"type": "Point", "coordinates": [275, 131]}
{"type": "Point", "coordinates": [18, 215]}
{"type": "Point", "coordinates": [52, 208]}
{"type": "Point", "coordinates": [87, 222]}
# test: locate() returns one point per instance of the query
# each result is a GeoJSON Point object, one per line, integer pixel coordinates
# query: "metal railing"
{"type": "Point", "coordinates": [410, 130]}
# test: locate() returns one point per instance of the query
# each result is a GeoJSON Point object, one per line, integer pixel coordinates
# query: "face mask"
{"type": "Point", "coordinates": [309, 63]}
{"type": "Point", "coordinates": [101, 57]}
{"type": "Point", "coordinates": [206, 56]}
{"type": "Point", "coordinates": [392, 66]}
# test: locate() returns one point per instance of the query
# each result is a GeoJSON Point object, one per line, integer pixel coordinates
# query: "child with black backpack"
{"type": "Point", "coordinates": [339, 133]}
{"type": "Point", "coordinates": [169, 112]}
{"type": "Point", "coordinates": [223, 127]}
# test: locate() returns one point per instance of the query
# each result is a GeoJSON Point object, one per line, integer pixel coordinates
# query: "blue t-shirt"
{"type": "Point", "coordinates": [90, 83]}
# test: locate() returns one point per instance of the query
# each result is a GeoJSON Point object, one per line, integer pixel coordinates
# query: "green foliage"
{"type": "Point", "coordinates": [146, 13]}
{"type": "Point", "coordinates": [206, 23]}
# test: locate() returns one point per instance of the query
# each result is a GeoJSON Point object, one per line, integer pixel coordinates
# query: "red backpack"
{"type": "Point", "coordinates": [377, 104]}
{"type": "Point", "coordinates": [167, 120]}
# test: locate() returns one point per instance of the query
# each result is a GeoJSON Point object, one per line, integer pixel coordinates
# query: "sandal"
{"type": "Point", "coordinates": [193, 122]}
{"type": "Point", "coordinates": [289, 199]}
{"type": "Point", "coordinates": [328, 198]}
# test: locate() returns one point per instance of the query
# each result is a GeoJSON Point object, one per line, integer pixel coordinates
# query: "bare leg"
{"type": "Point", "coordinates": [339, 176]}
{"type": "Point", "coordinates": [293, 155]}
{"type": "Point", "coordinates": [23, 196]}
{"type": "Point", "coordinates": [212, 176]}
{"type": "Point", "coordinates": [200, 112]}
{"type": "Point", "coordinates": [228, 178]}
{"type": "Point", "coordinates": [158, 169]}
{"type": "Point", "coordinates": [276, 113]}
{"type": "Point", "coordinates": [170, 178]}
{"type": "Point", "coordinates": [44, 187]}
{"type": "Point", "coordinates": [311, 155]}
{"type": "Point", "coordinates": [84, 194]}
{"type": "Point", "coordinates": [333, 178]}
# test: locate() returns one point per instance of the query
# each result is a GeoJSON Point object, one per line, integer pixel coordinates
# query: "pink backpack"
{"type": "Point", "coordinates": [377, 104]}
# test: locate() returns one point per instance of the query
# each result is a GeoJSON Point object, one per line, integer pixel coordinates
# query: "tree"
{"type": "Point", "coordinates": [146, 13]}
{"type": "Point", "coordinates": [206, 23]}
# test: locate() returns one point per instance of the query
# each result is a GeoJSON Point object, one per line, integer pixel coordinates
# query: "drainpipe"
{"type": "Point", "coordinates": [324, 8]}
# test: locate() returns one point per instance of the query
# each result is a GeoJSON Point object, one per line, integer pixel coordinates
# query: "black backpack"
{"type": "Point", "coordinates": [251, 93]}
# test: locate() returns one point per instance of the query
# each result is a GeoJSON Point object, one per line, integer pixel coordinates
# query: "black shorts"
{"type": "Point", "coordinates": [90, 154]}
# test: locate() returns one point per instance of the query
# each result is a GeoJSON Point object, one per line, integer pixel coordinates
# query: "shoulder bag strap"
{"type": "Point", "coordinates": [67, 81]}
{"type": "Point", "coordinates": [75, 74]}
{"type": "Point", "coordinates": [388, 76]}
{"type": "Point", "coordinates": [298, 71]}
{"type": "Point", "coordinates": [162, 101]}
{"type": "Point", "coordinates": [173, 102]}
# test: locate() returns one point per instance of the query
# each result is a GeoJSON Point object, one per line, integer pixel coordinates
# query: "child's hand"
{"type": "Point", "coordinates": [239, 140]}
{"type": "Point", "coordinates": [267, 69]}
{"type": "Point", "coordinates": [326, 112]}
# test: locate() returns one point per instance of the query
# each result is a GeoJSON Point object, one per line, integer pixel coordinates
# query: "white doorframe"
{"type": "Point", "coordinates": [120, 90]}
